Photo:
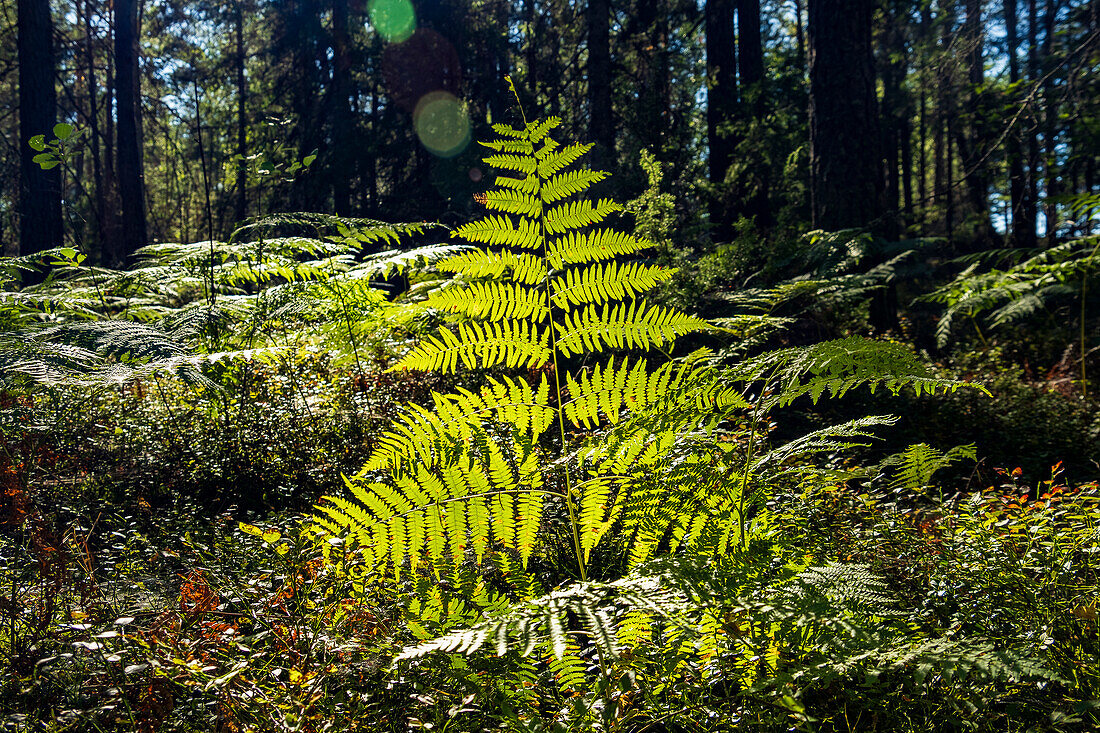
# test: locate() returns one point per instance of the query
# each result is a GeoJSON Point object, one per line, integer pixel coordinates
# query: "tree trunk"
{"type": "Point", "coordinates": [131, 181]}
{"type": "Point", "coordinates": [751, 65]}
{"type": "Point", "coordinates": [1022, 232]}
{"type": "Point", "coordinates": [1030, 205]}
{"type": "Point", "coordinates": [343, 148]}
{"type": "Point", "coordinates": [846, 166]}
{"type": "Point", "coordinates": [972, 139]}
{"type": "Point", "coordinates": [601, 124]}
{"type": "Point", "coordinates": [241, 211]}
{"type": "Point", "coordinates": [721, 109]}
{"type": "Point", "coordinates": [40, 190]}
{"type": "Point", "coordinates": [1051, 166]}
{"type": "Point", "coordinates": [99, 201]}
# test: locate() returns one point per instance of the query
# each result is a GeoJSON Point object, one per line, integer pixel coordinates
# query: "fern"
{"type": "Point", "coordinates": [544, 286]}
{"type": "Point", "coordinates": [665, 455]}
{"type": "Point", "coordinates": [916, 465]}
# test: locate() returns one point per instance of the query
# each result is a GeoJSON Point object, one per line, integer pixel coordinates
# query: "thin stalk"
{"type": "Point", "coordinates": [573, 523]}
{"type": "Point", "coordinates": [1084, 292]}
{"type": "Point", "coordinates": [743, 498]}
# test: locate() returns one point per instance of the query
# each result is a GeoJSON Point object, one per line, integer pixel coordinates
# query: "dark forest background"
{"type": "Point", "coordinates": [974, 121]}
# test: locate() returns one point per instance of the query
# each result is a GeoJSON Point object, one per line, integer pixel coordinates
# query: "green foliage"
{"type": "Point", "coordinates": [664, 461]}
{"type": "Point", "coordinates": [916, 465]}
{"type": "Point", "coordinates": [1003, 287]}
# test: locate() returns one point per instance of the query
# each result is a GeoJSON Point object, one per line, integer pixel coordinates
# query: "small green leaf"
{"type": "Point", "coordinates": [38, 142]}
{"type": "Point", "coordinates": [68, 252]}
{"type": "Point", "coordinates": [63, 130]}
{"type": "Point", "coordinates": [308, 160]}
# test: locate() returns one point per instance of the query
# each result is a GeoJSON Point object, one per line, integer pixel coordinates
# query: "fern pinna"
{"type": "Point", "coordinates": [548, 281]}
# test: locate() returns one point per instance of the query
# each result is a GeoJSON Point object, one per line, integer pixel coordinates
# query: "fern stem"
{"type": "Point", "coordinates": [743, 498]}
{"type": "Point", "coordinates": [574, 524]}
{"type": "Point", "coordinates": [1084, 291]}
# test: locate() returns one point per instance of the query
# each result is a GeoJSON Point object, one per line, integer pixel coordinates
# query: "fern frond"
{"type": "Point", "coordinates": [499, 231]}
{"type": "Point", "coordinates": [611, 281]}
{"type": "Point", "coordinates": [524, 165]}
{"type": "Point", "coordinates": [538, 130]}
{"type": "Point", "coordinates": [578, 214]}
{"type": "Point", "coordinates": [837, 367]}
{"type": "Point", "coordinates": [919, 462]}
{"type": "Point", "coordinates": [595, 246]}
{"type": "Point", "coordinates": [523, 147]}
{"type": "Point", "coordinates": [542, 621]}
{"type": "Point", "coordinates": [826, 440]}
{"type": "Point", "coordinates": [514, 202]}
{"type": "Point", "coordinates": [477, 345]}
{"type": "Point", "coordinates": [624, 326]}
{"type": "Point", "coordinates": [528, 185]}
{"type": "Point", "coordinates": [561, 158]}
{"type": "Point", "coordinates": [569, 183]}
{"type": "Point", "coordinates": [521, 267]}
{"type": "Point", "coordinates": [491, 300]}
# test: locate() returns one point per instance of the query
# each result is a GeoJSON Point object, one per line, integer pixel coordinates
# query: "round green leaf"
{"type": "Point", "coordinates": [38, 142]}
{"type": "Point", "coordinates": [63, 130]}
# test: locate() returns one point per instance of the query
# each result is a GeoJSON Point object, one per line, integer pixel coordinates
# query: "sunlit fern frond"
{"type": "Point", "coordinates": [834, 368]}
{"type": "Point", "coordinates": [474, 344]}
{"type": "Point", "coordinates": [521, 267]}
{"type": "Point", "coordinates": [1017, 286]}
{"type": "Point", "coordinates": [545, 621]}
{"type": "Point", "coordinates": [610, 281]}
{"type": "Point", "coordinates": [492, 301]}
{"type": "Point", "coordinates": [914, 467]}
{"type": "Point", "coordinates": [578, 214]}
{"type": "Point", "coordinates": [500, 231]}
{"type": "Point", "coordinates": [25, 358]}
{"type": "Point", "coordinates": [826, 440]}
{"type": "Point", "coordinates": [457, 479]}
{"type": "Point", "coordinates": [635, 326]}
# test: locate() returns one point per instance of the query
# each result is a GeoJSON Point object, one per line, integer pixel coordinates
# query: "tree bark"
{"type": "Point", "coordinates": [1030, 205]}
{"type": "Point", "coordinates": [1022, 232]}
{"type": "Point", "coordinates": [845, 162]}
{"type": "Point", "coordinates": [972, 139]}
{"type": "Point", "coordinates": [40, 190]}
{"type": "Point", "coordinates": [131, 178]}
{"type": "Point", "coordinates": [343, 148]}
{"type": "Point", "coordinates": [721, 109]}
{"type": "Point", "coordinates": [99, 201]}
{"type": "Point", "coordinates": [750, 61]}
{"type": "Point", "coordinates": [601, 123]}
{"type": "Point", "coordinates": [241, 210]}
{"type": "Point", "coordinates": [1051, 166]}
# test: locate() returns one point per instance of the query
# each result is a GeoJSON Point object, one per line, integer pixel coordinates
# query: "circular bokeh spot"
{"type": "Point", "coordinates": [442, 124]}
{"type": "Point", "coordinates": [394, 20]}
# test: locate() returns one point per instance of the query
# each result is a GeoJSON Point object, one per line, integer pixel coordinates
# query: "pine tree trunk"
{"type": "Point", "coordinates": [601, 123]}
{"type": "Point", "coordinates": [131, 183]}
{"type": "Point", "coordinates": [754, 107]}
{"type": "Point", "coordinates": [343, 145]}
{"type": "Point", "coordinates": [40, 190]}
{"type": "Point", "coordinates": [721, 109]}
{"type": "Point", "coordinates": [1022, 229]}
{"type": "Point", "coordinates": [241, 210]}
{"type": "Point", "coordinates": [845, 161]}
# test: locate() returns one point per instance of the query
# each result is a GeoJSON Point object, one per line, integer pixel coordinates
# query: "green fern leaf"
{"type": "Point", "coordinates": [499, 231]}
{"type": "Point", "coordinates": [492, 301]}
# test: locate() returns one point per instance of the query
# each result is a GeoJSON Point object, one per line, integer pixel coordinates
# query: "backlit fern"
{"type": "Point", "coordinates": [625, 444]}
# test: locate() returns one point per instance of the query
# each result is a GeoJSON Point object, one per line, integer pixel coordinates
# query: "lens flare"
{"type": "Point", "coordinates": [442, 124]}
{"type": "Point", "coordinates": [395, 20]}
